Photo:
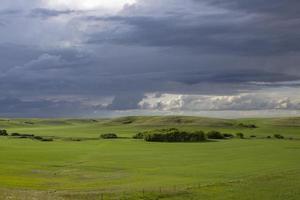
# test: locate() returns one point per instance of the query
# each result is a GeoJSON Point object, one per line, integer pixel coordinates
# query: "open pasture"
{"type": "Point", "coordinates": [124, 168]}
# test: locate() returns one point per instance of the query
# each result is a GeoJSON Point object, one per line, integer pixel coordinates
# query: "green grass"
{"type": "Point", "coordinates": [228, 169]}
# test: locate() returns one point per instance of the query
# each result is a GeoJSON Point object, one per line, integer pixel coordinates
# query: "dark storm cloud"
{"type": "Point", "coordinates": [126, 101]}
{"type": "Point", "coordinates": [229, 33]}
{"type": "Point", "coordinates": [179, 48]}
{"type": "Point", "coordinates": [237, 77]}
{"type": "Point", "coordinates": [286, 9]}
{"type": "Point", "coordinates": [14, 107]}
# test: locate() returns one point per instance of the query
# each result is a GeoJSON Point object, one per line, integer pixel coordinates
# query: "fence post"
{"type": "Point", "coordinates": [102, 196]}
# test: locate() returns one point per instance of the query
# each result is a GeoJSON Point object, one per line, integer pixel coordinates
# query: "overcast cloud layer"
{"type": "Point", "coordinates": [77, 58]}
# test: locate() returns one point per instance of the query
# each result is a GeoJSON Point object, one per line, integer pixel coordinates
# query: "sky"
{"type": "Point", "coordinates": [101, 58]}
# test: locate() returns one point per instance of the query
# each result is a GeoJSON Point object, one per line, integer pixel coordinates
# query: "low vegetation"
{"type": "Point", "coordinates": [215, 135]}
{"type": "Point", "coordinates": [278, 136]}
{"type": "Point", "coordinates": [109, 136]}
{"type": "Point", "coordinates": [3, 133]}
{"type": "Point", "coordinates": [228, 135]}
{"type": "Point", "coordinates": [26, 136]}
{"type": "Point", "coordinates": [240, 135]}
{"type": "Point", "coordinates": [174, 135]}
{"type": "Point", "coordinates": [140, 135]}
{"type": "Point", "coordinates": [247, 125]}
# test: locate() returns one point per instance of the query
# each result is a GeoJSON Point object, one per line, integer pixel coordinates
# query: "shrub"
{"type": "Point", "coordinates": [3, 133]}
{"type": "Point", "coordinates": [269, 137]}
{"type": "Point", "coordinates": [74, 139]}
{"type": "Point", "coordinates": [197, 136]}
{"type": "Point", "coordinates": [31, 123]}
{"type": "Point", "coordinates": [22, 135]}
{"type": "Point", "coordinates": [47, 140]}
{"type": "Point", "coordinates": [214, 135]}
{"type": "Point", "coordinates": [174, 135]}
{"type": "Point", "coordinates": [240, 135]}
{"type": "Point", "coordinates": [139, 136]}
{"type": "Point", "coordinates": [43, 139]}
{"type": "Point", "coordinates": [15, 134]}
{"type": "Point", "coordinates": [27, 135]}
{"type": "Point", "coordinates": [278, 136]}
{"type": "Point", "coordinates": [228, 135]}
{"type": "Point", "coordinates": [109, 136]}
{"type": "Point", "coordinates": [253, 136]}
{"type": "Point", "coordinates": [247, 125]}
{"type": "Point", "coordinates": [38, 137]}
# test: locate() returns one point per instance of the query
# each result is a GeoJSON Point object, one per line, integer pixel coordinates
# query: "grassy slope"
{"type": "Point", "coordinates": [260, 168]}
{"type": "Point", "coordinates": [127, 126]}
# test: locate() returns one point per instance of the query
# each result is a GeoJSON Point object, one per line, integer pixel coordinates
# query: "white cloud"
{"type": "Point", "coordinates": [264, 100]}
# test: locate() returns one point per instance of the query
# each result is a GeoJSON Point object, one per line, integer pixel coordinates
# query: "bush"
{"type": "Point", "coordinates": [247, 125]}
{"type": "Point", "coordinates": [228, 135]}
{"type": "Point", "coordinates": [3, 133]}
{"type": "Point", "coordinates": [269, 137]}
{"type": "Point", "coordinates": [47, 140]}
{"type": "Point", "coordinates": [139, 136]}
{"type": "Point", "coordinates": [214, 135]}
{"type": "Point", "coordinates": [174, 135]}
{"type": "Point", "coordinates": [22, 135]}
{"type": "Point", "coordinates": [278, 136]}
{"type": "Point", "coordinates": [240, 135]}
{"type": "Point", "coordinates": [253, 136]}
{"type": "Point", "coordinates": [37, 137]}
{"type": "Point", "coordinates": [43, 139]}
{"type": "Point", "coordinates": [109, 136]}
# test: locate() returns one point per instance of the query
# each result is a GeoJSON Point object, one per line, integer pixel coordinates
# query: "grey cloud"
{"type": "Point", "coordinates": [47, 13]}
{"type": "Point", "coordinates": [14, 107]}
{"type": "Point", "coordinates": [218, 33]}
{"type": "Point", "coordinates": [10, 12]}
{"type": "Point", "coordinates": [126, 101]}
{"type": "Point", "coordinates": [222, 48]}
{"type": "Point", "coordinates": [238, 76]}
{"type": "Point", "coordinates": [287, 8]}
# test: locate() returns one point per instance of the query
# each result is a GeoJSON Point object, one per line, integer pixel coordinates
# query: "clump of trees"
{"type": "Point", "coordinates": [247, 125]}
{"type": "Point", "coordinates": [109, 136]}
{"type": "Point", "coordinates": [240, 135]}
{"type": "Point", "coordinates": [20, 135]}
{"type": "Point", "coordinates": [46, 140]}
{"type": "Point", "coordinates": [215, 135]}
{"type": "Point", "coordinates": [140, 135]}
{"type": "Point", "coordinates": [175, 135]}
{"type": "Point", "coordinates": [278, 136]}
{"type": "Point", "coordinates": [3, 133]}
{"type": "Point", "coordinates": [31, 136]}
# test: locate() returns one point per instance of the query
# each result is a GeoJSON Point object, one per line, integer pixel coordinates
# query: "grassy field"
{"type": "Point", "coordinates": [93, 168]}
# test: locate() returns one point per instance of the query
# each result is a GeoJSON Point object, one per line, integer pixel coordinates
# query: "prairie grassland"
{"type": "Point", "coordinates": [93, 168]}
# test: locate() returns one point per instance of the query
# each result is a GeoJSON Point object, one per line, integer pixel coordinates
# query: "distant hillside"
{"type": "Point", "coordinates": [154, 121]}
{"type": "Point", "coordinates": [171, 120]}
